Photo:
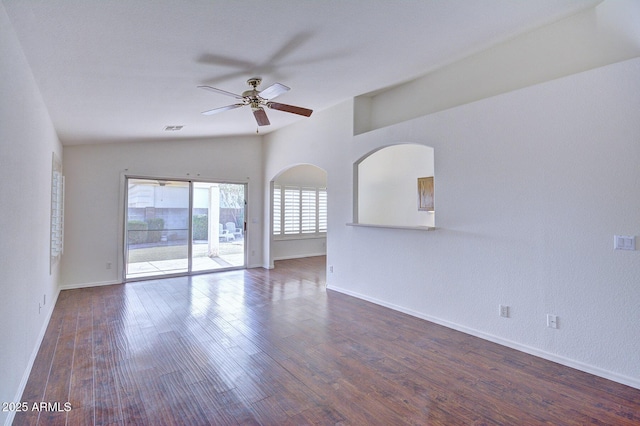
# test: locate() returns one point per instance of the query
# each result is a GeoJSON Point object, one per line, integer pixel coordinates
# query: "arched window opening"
{"type": "Point", "coordinates": [395, 187]}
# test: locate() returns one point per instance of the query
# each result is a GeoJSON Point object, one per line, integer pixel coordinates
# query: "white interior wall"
{"type": "Point", "coordinates": [298, 247]}
{"type": "Point", "coordinates": [301, 246]}
{"type": "Point", "coordinates": [532, 185]}
{"type": "Point", "coordinates": [27, 141]}
{"type": "Point", "coordinates": [94, 208]}
{"type": "Point", "coordinates": [302, 175]}
{"type": "Point", "coordinates": [599, 36]}
{"type": "Point", "coordinates": [323, 142]}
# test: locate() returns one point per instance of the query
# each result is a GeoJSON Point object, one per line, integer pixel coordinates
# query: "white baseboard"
{"type": "Point", "coordinates": [587, 368]}
{"type": "Point", "coordinates": [32, 358]}
{"type": "Point", "coordinates": [85, 285]}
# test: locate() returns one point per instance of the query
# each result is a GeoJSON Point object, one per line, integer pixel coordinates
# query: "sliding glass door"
{"type": "Point", "coordinates": [157, 227]}
{"type": "Point", "coordinates": [177, 227]}
{"type": "Point", "coordinates": [218, 226]}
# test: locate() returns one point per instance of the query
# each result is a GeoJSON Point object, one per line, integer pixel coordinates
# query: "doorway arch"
{"type": "Point", "coordinates": [303, 186]}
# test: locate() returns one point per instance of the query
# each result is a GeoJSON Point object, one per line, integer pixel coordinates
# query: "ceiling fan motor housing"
{"type": "Point", "coordinates": [250, 93]}
{"type": "Point", "coordinates": [252, 96]}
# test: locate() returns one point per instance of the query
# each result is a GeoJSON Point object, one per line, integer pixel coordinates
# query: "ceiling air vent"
{"type": "Point", "coordinates": [173, 128]}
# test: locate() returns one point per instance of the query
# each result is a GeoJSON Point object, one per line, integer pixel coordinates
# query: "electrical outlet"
{"type": "Point", "coordinates": [504, 311]}
{"type": "Point", "coordinates": [552, 321]}
{"type": "Point", "coordinates": [331, 269]}
{"type": "Point", "coordinates": [624, 242]}
{"type": "Point", "coordinates": [108, 265]}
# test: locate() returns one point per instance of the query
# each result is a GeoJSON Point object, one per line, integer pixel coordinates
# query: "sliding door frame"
{"type": "Point", "coordinates": [124, 220]}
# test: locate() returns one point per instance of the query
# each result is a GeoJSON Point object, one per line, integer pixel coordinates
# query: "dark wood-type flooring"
{"type": "Point", "coordinates": [274, 347]}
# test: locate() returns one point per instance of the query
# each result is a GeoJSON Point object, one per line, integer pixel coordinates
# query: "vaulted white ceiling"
{"type": "Point", "coordinates": [120, 70]}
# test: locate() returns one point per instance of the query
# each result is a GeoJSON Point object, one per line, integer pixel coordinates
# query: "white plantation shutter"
{"type": "Point", "coordinates": [308, 212]}
{"type": "Point", "coordinates": [299, 211]}
{"type": "Point", "coordinates": [322, 210]}
{"type": "Point", "coordinates": [277, 210]}
{"type": "Point", "coordinates": [291, 210]}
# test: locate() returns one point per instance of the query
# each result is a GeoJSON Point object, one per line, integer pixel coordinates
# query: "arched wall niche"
{"type": "Point", "coordinates": [386, 186]}
{"type": "Point", "coordinates": [296, 246]}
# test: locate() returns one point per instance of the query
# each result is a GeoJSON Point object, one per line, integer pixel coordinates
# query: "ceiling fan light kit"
{"type": "Point", "coordinates": [257, 100]}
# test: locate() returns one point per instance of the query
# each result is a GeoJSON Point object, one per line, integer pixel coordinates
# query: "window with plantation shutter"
{"type": "Point", "coordinates": [299, 211]}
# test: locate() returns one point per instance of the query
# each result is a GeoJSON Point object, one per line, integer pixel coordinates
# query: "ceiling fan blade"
{"type": "Point", "coordinates": [290, 108]}
{"type": "Point", "coordinates": [220, 91]}
{"type": "Point", "coordinates": [274, 90]}
{"type": "Point", "coordinates": [227, 61]}
{"type": "Point", "coordinates": [261, 117]}
{"type": "Point", "coordinates": [221, 109]}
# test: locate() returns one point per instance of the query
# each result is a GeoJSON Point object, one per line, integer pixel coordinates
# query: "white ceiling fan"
{"type": "Point", "coordinates": [258, 99]}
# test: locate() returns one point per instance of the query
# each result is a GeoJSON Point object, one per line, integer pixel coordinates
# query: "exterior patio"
{"type": "Point", "coordinates": [173, 258]}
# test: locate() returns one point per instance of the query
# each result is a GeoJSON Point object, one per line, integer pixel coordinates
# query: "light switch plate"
{"type": "Point", "coordinates": [624, 242]}
{"type": "Point", "coordinates": [504, 311]}
{"type": "Point", "coordinates": [552, 321]}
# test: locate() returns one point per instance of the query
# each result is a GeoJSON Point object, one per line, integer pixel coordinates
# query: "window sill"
{"type": "Point", "coordinates": [299, 237]}
{"type": "Point", "coordinates": [415, 228]}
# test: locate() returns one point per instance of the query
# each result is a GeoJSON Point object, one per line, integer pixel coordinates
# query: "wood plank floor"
{"type": "Point", "coordinates": [273, 347]}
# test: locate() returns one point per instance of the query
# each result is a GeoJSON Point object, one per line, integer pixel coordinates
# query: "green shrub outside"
{"type": "Point", "coordinates": [137, 232]}
{"type": "Point", "coordinates": [200, 227]}
{"type": "Point", "coordinates": [155, 226]}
